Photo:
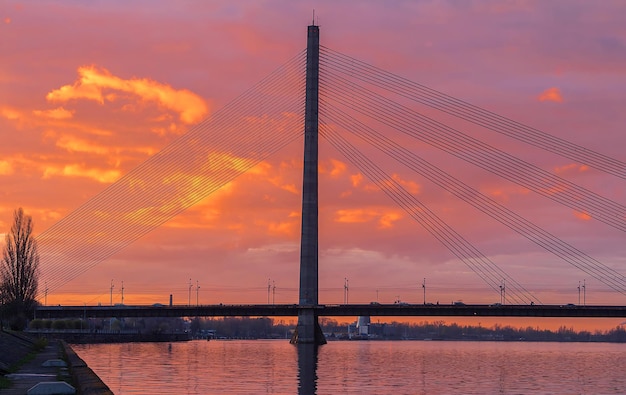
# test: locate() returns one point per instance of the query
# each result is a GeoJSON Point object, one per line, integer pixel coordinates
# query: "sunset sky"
{"type": "Point", "coordinates": [90, 90]}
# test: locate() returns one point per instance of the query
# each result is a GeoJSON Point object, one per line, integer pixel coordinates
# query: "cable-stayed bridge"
{"type": "Point", "coordinates": [347, 103]}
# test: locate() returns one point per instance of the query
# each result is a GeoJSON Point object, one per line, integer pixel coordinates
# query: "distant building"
{"type": "Point", "coordinates": [363, 325]}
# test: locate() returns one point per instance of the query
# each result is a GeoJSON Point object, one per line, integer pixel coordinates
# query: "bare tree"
{"type": "Point", "coordinates": [20, 264]}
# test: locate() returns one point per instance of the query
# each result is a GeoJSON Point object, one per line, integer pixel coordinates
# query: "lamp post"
{"type": "Point", "coordinates": [424, 286]}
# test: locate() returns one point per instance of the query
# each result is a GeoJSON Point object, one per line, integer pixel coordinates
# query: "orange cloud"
{"type": "Point", "coordinates": [410, 186]}
{"type": "Point", "coordinates": [356, 179]}
{"type": "Point", "coordinates": [385, 219]}
{"type": "Point", "coordinates": [551, 94]}
{"type": "Point", "coordinates": [583, 216]}
{"type": "Point", "coordinates": [335, 169]}
{"type": "Point", "coordinates": [56, 113]}
{"type": "Point", "coordinates": [572, 166]}
{"type": "Point", "coordinates": [10, 113]}
{"type": "Point", "coordinates": [282, 228]}
{"type": "Point", "coordinates": [5, 168]}
{"type": "Point", "coordinates": [92, 82]}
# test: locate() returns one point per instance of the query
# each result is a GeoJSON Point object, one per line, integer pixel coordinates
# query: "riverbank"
{"type": "Point", "coordinates": [26, 361]}
{"type": "Point", "coordinates": [92, 337]}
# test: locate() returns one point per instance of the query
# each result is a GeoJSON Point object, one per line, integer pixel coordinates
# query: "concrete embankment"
{"type": "Point", "coordinates": [85, 380]}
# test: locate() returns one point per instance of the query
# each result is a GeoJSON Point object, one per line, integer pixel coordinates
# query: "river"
{"type": "Point", "coordinates": [359, 367]}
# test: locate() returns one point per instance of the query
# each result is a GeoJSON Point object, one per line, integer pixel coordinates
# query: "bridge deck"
{"type": "Point", "coordinates": [373, 310]}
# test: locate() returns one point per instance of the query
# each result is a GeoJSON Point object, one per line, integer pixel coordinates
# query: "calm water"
{"type": "Point", "coordinates": [374, 367]}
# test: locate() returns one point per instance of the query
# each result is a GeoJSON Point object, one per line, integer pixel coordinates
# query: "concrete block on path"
{"type": "Point", "coordinates": [52, 387]}
{"type": "Point", "coordinates": [55, 362]}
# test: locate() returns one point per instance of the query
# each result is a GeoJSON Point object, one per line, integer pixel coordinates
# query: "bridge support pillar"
{"type": "Point", "coordinates": [308, 330]}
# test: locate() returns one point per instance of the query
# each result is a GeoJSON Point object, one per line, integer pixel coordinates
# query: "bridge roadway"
{"type": "Point", "coordinates": [372, 310]}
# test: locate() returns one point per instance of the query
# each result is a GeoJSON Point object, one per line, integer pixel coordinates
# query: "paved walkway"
{"type": "Point", "coordinates": [33, 372]}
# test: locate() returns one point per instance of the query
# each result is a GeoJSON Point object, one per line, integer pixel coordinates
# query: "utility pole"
{"type": "Point", "coordinates": [584, 293]}
{"type": "Point", "coordinates": [269, 287]}
{"type": "Point", "coordinates": [112, 292]}
{"type": "Point", "coordinates": [345, 290]}
{"type": "Point", "coordinates": [122, 291]}
{"type": "Point", "coordinates": [579, 292]}
{"type": "Point", "coordinates": [273, 292]}
{"type": "Point", "coordinates": [424, 286]}
{"type": "Point", "coordinates": [197, 292]}
{"type": "Point", "coordinates": [189, 296]}
{"type": "Point", "coordinates": [503, 292]}
{"type": "Point", "coordinates": [45, 298]}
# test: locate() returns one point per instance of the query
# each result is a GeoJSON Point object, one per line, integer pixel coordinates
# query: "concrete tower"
{"type": "Point", "coordinates": [308, 329]}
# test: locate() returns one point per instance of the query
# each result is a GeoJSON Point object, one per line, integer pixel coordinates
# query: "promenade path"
{"type": "Point", "coordinates": [33, 372]}
{"type": "Point", "coordinates": [15, 346]}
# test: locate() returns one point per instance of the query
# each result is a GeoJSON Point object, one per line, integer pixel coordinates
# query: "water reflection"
{"type": "Point", "coordinates": [380, 367]}
{"type": "Point", "coordinates": [307, 368]}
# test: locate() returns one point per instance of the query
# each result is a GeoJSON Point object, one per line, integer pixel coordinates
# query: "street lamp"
{"type": "Point", "coordinates": [197, 292]}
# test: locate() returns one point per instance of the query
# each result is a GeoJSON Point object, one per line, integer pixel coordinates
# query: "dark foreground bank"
{"type": "Point", "coordinates": [23, 365]}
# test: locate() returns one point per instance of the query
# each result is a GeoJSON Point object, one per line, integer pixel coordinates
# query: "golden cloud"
{"type": "Point", "coordinates": [92, 82]}
{"type": "Point", "coordinates": [75, 170]}
{"type": "Point", "coordinates": [73, 144]}
{"type": "Point", "coordinates": [551, 94]}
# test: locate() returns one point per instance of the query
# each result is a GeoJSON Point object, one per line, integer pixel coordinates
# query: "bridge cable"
{"type": "Point", "coordinates": [453, 106]}
{"type": "Point", "coordinates": [168, 175]}
{"type": "Point", "coordinates": [480, 154]}
{"type": "Point", "coordinates": [474, 259]}
{"type": "Point", "coordinates": [473, 197]}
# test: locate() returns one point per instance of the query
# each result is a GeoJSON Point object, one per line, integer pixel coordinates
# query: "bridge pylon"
{"type": "Point", "coordinates": [308, 329]}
